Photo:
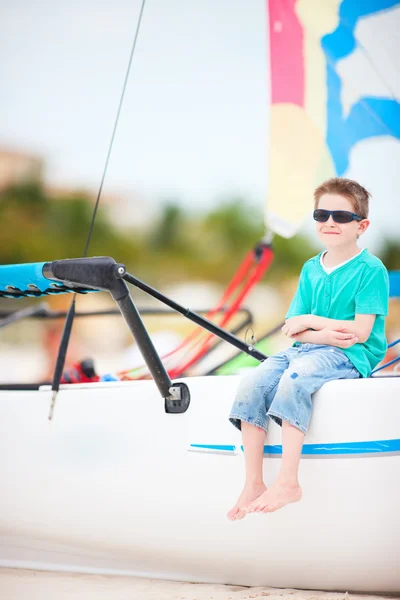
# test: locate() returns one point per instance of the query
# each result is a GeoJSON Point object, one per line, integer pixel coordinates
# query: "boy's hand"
{"type": "Point", "coordinates": [340, 338]}
{"type": "Point", "coordinates": [296, 325]}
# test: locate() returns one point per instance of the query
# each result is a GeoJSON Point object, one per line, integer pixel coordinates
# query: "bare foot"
{"type": "Point", "coordinates": [248, 495]}
{"type": "Point", "coordinates": [277, 496]}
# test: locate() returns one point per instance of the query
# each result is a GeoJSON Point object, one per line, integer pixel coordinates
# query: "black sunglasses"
{"type": "Point", "coordinates": [339, 216]}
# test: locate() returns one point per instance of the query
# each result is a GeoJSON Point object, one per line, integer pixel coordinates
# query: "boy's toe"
{"type": "Point", "coordinates": [232, 513]}
{"type": "Point", "coordinates": [240, 515]}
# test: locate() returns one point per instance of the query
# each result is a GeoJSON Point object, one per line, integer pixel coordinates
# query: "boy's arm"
{"type": "Point", "coordinates": [300, 304]}
{"type": "Point", "coordinates": [361, 326]}
{"type": "Point", "coordinates": [341, 339]}
{"type": "Point", "coordinates": [371, 299]}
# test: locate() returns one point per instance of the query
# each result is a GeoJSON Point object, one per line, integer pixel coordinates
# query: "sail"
{"type": "Point", "coordinates": [334, 85]}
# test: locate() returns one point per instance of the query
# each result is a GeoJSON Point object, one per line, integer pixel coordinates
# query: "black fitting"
{"type": "Point", "coordinates": [105, 274]}
{"type": "Point", "coordinates": [99, 273]}
{"type": "Point", "coordinates": [179, 400]}
{"type": "Point", "coordinates": [258, 250]}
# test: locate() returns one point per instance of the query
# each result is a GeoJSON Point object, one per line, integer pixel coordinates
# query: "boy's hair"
{"type": "Point", "coordinates": [351, 190]}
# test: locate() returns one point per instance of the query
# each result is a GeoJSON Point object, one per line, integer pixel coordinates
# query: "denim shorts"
{"type": "Point", "coordinates": [281, 386]}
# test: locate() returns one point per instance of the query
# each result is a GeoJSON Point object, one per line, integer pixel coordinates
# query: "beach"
{"type": "Point", "coordinates": [24, 584]}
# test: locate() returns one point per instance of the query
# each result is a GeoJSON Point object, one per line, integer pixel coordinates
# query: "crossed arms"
{"type": "Point", "coordinates": [320, 330]}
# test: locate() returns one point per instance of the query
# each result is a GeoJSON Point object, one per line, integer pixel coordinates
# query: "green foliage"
{"type": "Point", "coordinates": [23, 211]}
{"type": "Point", "coordinates": [36, 226]}
{"type": "Point", "coordinates": [234, 226]}
{"type": "Point", "coordinates": [167, 234]}
{"type": "Point", "coordinates": [290, 255]}
{"type": "Point", "coordinates": [390, 255]}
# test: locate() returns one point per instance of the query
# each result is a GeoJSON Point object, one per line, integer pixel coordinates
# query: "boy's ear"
{"type": "Point", "coordinates": [363, 226]}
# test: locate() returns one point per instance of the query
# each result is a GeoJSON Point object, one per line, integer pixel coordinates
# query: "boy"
{"type": "Point", "coordinates": [337, 319]}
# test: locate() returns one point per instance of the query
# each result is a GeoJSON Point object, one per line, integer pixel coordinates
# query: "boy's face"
{"type": "Point", "coordinates": [334, 234]}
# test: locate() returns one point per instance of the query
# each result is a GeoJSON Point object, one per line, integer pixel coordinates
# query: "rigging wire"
{"type": "Point", "coordinates": [115, 128]}
{"type": "Point", "coordinates": [55, 386]}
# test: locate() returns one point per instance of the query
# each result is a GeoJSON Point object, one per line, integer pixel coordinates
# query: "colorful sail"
{"type": "Point", "coordinates": [334, 84]}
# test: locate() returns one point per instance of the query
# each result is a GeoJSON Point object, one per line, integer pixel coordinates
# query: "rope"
{"type": "Point", "coordinates": [394, 343]}
{"type": "Point", "coordinates": [60, 289]}
{"type": "Point", "coordinates": [253, 279]}
{"type": "Point", "coordinates": [391, 362]}
{"type": "Point", "coordinates": [198, 331]}
{"type": "Point", "coordinates": [249, 272]}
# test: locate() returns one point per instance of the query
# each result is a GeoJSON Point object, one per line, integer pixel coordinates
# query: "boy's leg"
{"type": "Point", "coordinates": [286, 488]}
{"type": "Point", "coordinates": [291, 407]}
{"type": "Point", "coordinates": [253, 444]}
{"type": "Point", "coordinates": [249, 413]}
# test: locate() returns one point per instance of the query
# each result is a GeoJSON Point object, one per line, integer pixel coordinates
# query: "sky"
{"type": "Point", "coordinates": [194, 122]}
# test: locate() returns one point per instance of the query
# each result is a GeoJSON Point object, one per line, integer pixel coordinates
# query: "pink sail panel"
{"type": "Point", "coordinates": [286, 53]}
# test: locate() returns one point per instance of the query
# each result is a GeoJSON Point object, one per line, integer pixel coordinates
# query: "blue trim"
{"type": "Point", "coordinates": [342, 448]}
{"type": "Point", "coordinates": [394, 292]}
{"type": "Point", "coordinates": [217, 447]}
{"type": "Point", "coordinates": [20, 276]}
{"type": "Point", "coordinates": [388, 364]}
{"type": "Point", "coordinates": [394, 284]}
{"type": "Point", "coordinates": [394, 343]}
{"type": "Point", "coordinates": [373, 447]}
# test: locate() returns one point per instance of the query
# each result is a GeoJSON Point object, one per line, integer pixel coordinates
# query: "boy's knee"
{"type": "Point", "coordinates": [293, 387]}
{"type": "Point", "coordinates": [246, 384]}
{"type": "Point", "coordinates": [253, 379]}
{"type": "Point", "coordinates": [290, 379]}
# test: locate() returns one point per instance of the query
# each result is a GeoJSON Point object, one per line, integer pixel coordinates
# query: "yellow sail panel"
{"type": "Point", "coordinates": [299, 160]}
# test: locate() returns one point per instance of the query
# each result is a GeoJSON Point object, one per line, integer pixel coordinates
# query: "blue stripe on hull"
{"type": "Point", "coordinates": [381, 447]}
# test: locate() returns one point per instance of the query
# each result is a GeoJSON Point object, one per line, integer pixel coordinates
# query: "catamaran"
{"type": "Point", "coordinates": [135, 477]}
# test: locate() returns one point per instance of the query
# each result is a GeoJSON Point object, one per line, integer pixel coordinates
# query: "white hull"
{"type": "Point", "coordinates": [113, 485]}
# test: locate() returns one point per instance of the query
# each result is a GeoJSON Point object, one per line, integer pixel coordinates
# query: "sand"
{"type": "Point", "coordinates": [21, 584]}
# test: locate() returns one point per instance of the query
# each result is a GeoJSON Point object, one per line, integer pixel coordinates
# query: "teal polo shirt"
{"type": "Point", "coordinates": [361, 286]}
